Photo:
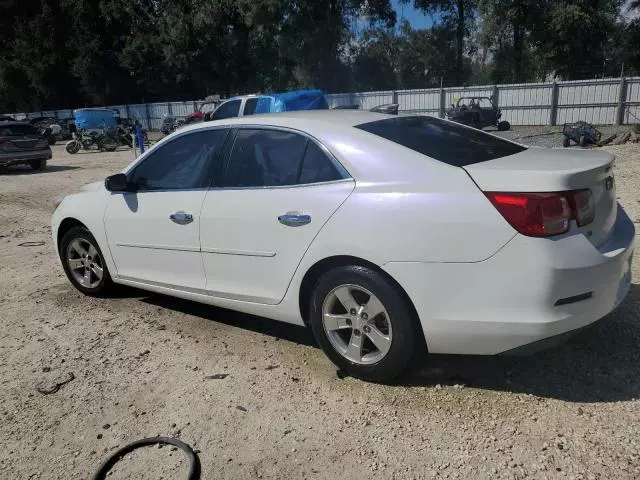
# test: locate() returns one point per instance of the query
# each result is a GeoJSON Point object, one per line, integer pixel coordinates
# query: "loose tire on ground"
{"type": "Point", "coordinates": [504, 126]}
{"type": "Point", "coordinates": [358, 323]}
{"type": "Point", "coordinates": [84, 264]}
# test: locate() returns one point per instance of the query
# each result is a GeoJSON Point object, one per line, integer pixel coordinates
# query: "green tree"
{"type": "Point", "coordinates": [457, 14]}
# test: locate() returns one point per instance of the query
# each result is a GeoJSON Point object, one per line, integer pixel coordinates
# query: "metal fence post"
{"type": "Point", "coordinates": [394, 97]}
{"type": "Point", "coordinates": [622, 99]}
{"type": "Point", "coordinates": [553, 114]}
{"type": "Point", "coordinates": [443, 101]}
{"type": "Point", "coordinates": [126, 109]}
{"type": "Point", "coordinates": [146, 109]}
{"type": "Point", "coordinates": [169, 109]}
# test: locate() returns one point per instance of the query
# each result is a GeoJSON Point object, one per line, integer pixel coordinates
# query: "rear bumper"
{"type": "Point", "coordinates": [18, 158]}
{"type": "Point", "coordinates": [531, 290]}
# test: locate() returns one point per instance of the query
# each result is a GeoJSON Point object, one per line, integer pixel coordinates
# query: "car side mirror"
{"type": "Point", "coordinates": [117, 183]}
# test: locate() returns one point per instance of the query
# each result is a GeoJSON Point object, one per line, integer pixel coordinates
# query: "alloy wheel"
{"type": "Point", "coordinates": [85, 263]}
{"type": "Point", "coordinates": [357, 324]}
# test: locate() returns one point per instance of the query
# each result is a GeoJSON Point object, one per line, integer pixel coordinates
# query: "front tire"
{"type": "Point", "coordinates": [38, 164]}
{"type": "Point", "coordinates": [83, 262]}
{"type": "Point", "coordinates": [363, 323]}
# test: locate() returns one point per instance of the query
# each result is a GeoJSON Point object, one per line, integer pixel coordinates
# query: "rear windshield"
{"type": "Point", "coordinates": [17, 130]}
{"type": "Point", "coordinates": [444, 141]}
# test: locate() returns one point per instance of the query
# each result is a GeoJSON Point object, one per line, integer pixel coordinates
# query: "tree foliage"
{"type": "Point", "coordinates": [69, 53]}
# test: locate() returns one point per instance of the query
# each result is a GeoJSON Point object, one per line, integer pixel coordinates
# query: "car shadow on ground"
{"type": "Point", "coordinates": [265, 326]}
{"type": "Point", "coordinates": [599, 364]}
{"type": "Point", "coordinates": [27, 170]}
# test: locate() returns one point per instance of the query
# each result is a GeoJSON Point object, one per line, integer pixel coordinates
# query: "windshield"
{"type": "Point", "coordinates": [444, 141]}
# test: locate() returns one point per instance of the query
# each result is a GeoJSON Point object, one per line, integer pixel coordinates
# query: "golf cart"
{"type": "Point", "coordinates": [477, 112]}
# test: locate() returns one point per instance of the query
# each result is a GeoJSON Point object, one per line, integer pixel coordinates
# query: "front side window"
{"type": "Point", "coordinates": [183, 163]}
{"type": "Point", "coordinates": [227, 110]}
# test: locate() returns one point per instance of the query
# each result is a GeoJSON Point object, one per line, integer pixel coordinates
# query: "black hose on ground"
{"type": "Point", "coordinates": [107, 465]}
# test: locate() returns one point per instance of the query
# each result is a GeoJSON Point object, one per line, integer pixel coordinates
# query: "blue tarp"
{"type": "Point", "coordinates": [88, 118]}
{"type": "Point", "coordinates": [300, 100]}
{"type": "Point", "coordinates": [292, 101]}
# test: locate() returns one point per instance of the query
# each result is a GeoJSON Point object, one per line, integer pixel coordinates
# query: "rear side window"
{"type": "Point", "coordinates": [316, 166]}
{"type": "Point", "coordinates": [444, 141]}
{"type": "Point", "coordinates": [17, 130]}
{"type": "Point", "coordinates": [271, 158]}
{"type": "Point", "coordinates": [265, 158]}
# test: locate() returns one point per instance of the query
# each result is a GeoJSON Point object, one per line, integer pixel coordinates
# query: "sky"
{"type": "Point", "coordinates": [416, 18]}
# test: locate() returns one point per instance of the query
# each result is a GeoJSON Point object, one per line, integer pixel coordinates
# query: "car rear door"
{"type": "Point", "coordinates": [279, 188]}
{"type": "Point", "coordinates": [154, 231]}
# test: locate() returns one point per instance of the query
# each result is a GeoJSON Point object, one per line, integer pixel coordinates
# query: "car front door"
{"type": "Point", "coordinates": [279, 189]}
{"type": "Point", "coordinates": [154, 230]}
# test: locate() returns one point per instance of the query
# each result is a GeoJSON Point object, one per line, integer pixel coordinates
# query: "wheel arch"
{"type": "Point", "coordinates": [322, 266]}
{"type": "Point", "coordinates": [66, 225]}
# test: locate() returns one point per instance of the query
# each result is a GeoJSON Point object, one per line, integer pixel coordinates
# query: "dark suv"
{"type": "Point", "coordinates": [22, 144]}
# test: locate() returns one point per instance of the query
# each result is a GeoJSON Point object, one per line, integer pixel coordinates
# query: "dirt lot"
{"type": "Point", "coordinates": [140, 364]}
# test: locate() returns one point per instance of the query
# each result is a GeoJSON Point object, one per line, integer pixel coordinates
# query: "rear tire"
{"type": "Point", "coordinates": [84, 264]}
{"type": "Point", "coordinates": [38, 164]}
{"type": "Point", "coordinates": [583, 141]}
{"type": "Point", "coordinates": [373, 337]}
{"type": "Point", "coordinates": [504, 126]}
{"type": "Point", "coordinates": [566, 141]}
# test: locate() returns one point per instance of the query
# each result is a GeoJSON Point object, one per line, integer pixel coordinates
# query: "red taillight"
{"type": "Point", "coordinates": [534, 214]}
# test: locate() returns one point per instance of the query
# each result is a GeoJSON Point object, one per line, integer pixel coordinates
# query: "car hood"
{"type": "Point", "coordinates": [92, 187]}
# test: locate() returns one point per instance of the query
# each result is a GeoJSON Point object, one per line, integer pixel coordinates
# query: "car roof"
{"type": "Point", "coordinates": [301, 119]}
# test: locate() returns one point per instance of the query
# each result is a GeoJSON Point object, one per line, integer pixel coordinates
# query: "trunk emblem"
{"type": "Point", "coordinates": [608, 183]}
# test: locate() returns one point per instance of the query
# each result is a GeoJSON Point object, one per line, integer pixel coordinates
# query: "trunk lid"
{"type": "Point", "coordinates": [556, 170]}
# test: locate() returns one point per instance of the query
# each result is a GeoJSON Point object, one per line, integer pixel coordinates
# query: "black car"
{"type": "Point", "coordinates": [477, 112]}
{"type": "Point", "coordinates": [22, 144]}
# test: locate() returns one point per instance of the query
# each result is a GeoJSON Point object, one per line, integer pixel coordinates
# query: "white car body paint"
{"type": "Point", "coordinates": [478, 286]}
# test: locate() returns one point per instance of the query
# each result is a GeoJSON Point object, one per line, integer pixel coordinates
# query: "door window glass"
{"type": "Point", "coordinates": [265, 158]}
{"type": "Point", "coordinates": [183, 163]}
{"type": "Point", "coordinates": [317, 167]}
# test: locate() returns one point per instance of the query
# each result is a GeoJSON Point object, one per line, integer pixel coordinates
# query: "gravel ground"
{"type": "Point", "coordinates": [549, 136]}
{"type": "Point", "coordinates": [140, 363]}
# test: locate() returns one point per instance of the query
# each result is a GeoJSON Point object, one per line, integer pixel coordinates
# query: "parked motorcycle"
{"type": "Point", "coordinates": [105, 140]}
{"type": "Point", "coordinates": [169, 124]}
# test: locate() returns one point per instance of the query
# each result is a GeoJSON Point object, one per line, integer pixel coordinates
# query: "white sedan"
{"type": "Point", "coordinates": [382, 233]}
